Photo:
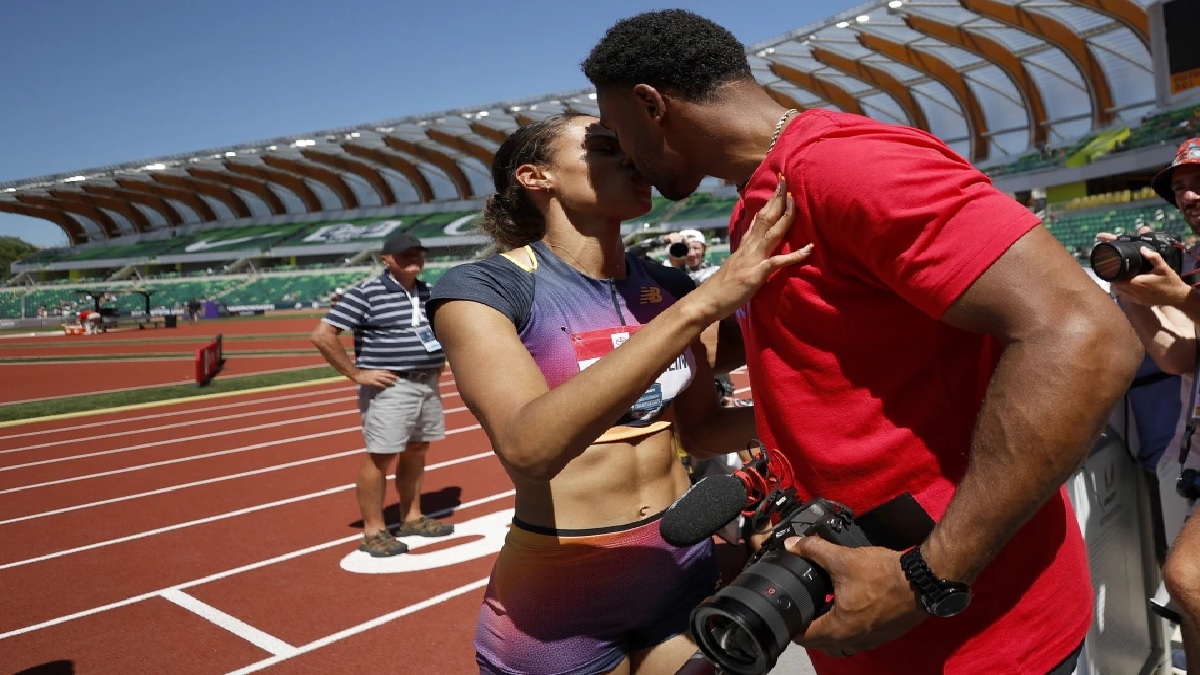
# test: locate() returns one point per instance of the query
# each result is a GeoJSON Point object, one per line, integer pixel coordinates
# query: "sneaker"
{"type": "Point", "coordinates": [424, 527]}
{"type": "Point", "coordinates": [382, 545]}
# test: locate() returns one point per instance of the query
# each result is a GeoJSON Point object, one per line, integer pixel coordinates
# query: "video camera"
{"type": "Point", "coordinates": [1121, 259]}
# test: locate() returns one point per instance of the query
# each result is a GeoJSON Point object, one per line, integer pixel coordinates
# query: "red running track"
{"type": "Point", "coordinates": [218, 536]}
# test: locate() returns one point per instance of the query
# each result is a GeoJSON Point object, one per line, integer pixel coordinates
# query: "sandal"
{"type": "Point", "coordinates": [424, 527]}
{"type": "Point", "coordinates": [382, 545]}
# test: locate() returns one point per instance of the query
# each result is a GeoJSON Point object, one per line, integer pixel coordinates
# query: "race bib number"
{"type": "Point", "coordinates": [591, 345]}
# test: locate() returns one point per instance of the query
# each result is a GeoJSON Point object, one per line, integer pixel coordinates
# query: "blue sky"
{"type": "Point", "coordinates": [89, 84]}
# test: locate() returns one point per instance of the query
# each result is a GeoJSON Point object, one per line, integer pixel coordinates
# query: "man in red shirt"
{"type": "Point", "coordinates": [941, 343]}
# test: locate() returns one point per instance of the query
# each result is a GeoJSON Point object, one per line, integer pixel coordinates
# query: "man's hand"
{"type": "Point", "coordinates": [873, 601]}
{"type": "Point", "coordinates": [1161, 286]}
{"type": "Point", "coordinates": [380, 379]}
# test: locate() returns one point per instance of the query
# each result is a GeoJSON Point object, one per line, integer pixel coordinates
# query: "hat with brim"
{"type": "Point", "coordinates": [1189, 153]}
{"type": "Point", "coordinates": [400, 243]}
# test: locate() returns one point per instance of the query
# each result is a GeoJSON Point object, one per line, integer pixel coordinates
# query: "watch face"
{"type": "Point", "coordinates": [953, 603]}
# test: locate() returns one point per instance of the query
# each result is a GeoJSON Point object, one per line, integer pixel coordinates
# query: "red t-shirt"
{"type": "Point", "coordinates": [869, 395]}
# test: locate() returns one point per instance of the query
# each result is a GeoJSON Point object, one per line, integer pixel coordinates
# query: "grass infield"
{"type": "Point", "coordinates": [148, 395]}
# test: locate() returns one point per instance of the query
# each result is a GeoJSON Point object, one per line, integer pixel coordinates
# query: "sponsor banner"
{"type": "Point", "coordinates": [216, 243]}
{"type": "Point", "coordinates": [209, 361]}
{"type": "Point", "coordinates": [242, 310]}
{"type": "Point", "coordinates": [340, 233]}
{"type": "Point", "coordinates": [1188, 79]}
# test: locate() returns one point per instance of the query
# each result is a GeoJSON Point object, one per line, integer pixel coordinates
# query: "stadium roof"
{"type": "Point", "coordinates": [990, 77]}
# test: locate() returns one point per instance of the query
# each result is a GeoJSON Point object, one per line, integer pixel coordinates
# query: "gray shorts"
{"type": "Point", "coordinates": [409, 411]}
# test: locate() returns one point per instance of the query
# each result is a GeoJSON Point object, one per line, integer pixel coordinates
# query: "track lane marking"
{"type": "Point", "coordinates": [443, 382]}
{"type": "Point", "coordinates": [261, 639]}
{"type": "Point", "coordinates": [178, 460]}
{"type": "Point", "coordinates": [183, 439]}
{"type": "Point", "coordinates": [172, 413]}
{"type": "Point", "coordinates": [197, 483]}
{"type": "Point", "coordinates": [237, 570]}
{"type": "Point", "coordinates": [181, 486]}
{"type": "Point", "coordinates": [363, 627]}
{"type": "Point", "coordinates": [169, 441]}
{"type": "Point", "coordinates": [177, 425]}
{"type": "Point", "coordinates": [231, 514]}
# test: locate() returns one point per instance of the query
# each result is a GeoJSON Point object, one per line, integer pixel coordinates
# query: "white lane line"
{"type": "Point", "coordinates": [179, 460]}
{"type": "Point", "coordinates": [182, 439]}
{"type": "Point", "coordinates": [144, 386]}
{"type": "Point", "coordinates": [176, 425]}
{"type": "Point", "coordinates": [181, 486]}
{"type": "Point", "coordinates": [264, 641]}
{"type": "Point", "coordinates": [325, 388]}
{"type": "Point", "coordinates": [363, 627]}
{"type": "Point", "coordinates": [173, 413]}
{"type": "Point", "coordinates": [237, 570]}
{"type": "Point", "coordinates": [225, 516]}
{"type": "Point", "coordinates": [189, 458]}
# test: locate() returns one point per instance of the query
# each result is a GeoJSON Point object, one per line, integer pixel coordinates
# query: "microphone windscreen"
{"type": "Point", "coordinates": [705, 508]}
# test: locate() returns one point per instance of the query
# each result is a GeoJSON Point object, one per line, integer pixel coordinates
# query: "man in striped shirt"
{"type": "Point", "coordinates": [397, 362]}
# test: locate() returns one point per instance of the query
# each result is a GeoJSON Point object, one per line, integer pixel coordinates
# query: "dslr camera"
{"type": "Point", "coordinates": [746, 625]}
{"type": "Point", "coordinates": [642, 248]}
{"type": "Point", "coordinates": [1121, 259]}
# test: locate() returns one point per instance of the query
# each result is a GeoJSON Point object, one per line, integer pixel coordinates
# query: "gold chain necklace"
{"type": "Point", "coordinates": [779, 128]}
{"type": "Point", "coordinates": [774, 139]}
{"type": "Point", "coordinates": [577, 263]}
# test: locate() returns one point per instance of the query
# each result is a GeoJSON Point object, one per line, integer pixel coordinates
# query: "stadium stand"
{"type": "Point", "coordinates": [284, 291]}
{"type": "Point", "coordinates": [433, 189]}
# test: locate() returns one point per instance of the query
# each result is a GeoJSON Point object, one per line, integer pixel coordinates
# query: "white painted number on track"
{"type": "Point", "coordinates": [485, 536]}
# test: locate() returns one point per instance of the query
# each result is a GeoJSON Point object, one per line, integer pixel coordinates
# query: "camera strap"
{"type": "Point", "coordinates": [1185, 444]}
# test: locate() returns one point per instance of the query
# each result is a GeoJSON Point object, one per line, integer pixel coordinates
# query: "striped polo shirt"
{"type": "Point", "coordinates": [380, 314]}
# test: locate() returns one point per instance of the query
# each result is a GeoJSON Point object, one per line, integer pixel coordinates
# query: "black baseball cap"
{"type": "Point", "coordinates": [399, 243]}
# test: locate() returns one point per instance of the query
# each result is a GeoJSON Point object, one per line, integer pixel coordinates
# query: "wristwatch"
{"type": "Point", "coordinates": [939, 597]}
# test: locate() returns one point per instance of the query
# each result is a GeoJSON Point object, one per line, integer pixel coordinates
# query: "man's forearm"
{"type": "Point", "coordinates": [335, 355]}
{"type": "Point", "coordinates": [1170, 346]}
{"type": "Point", "coordinates": [728, 431]}
{"type": "Point", "coordinates": [1046, 404]}
{"type": "Point", "coordinates": [1191, 306]}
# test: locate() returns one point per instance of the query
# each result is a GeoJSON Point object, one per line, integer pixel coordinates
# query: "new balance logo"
{"type": "Point", "coordinates": [651, 295]}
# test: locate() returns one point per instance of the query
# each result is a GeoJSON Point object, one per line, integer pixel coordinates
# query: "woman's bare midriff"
{"type": "Point", "coordinates": [610, 484]}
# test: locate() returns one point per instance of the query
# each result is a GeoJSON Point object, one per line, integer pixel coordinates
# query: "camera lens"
{"type": "Point", "coordinates": [1188, 485]}
{"type": "Point", "coordinates": [1118, 260]}
{"type": "Point", "coordinates": [745, 626]}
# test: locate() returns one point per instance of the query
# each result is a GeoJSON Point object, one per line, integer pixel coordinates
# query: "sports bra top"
{"type": "Point", "coordinates": [568, 320]}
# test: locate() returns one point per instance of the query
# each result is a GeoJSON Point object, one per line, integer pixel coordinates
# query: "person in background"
{"type": "Point", "coordinates": [693, 263]}
{"type": "Point", "coordinates": [397, 365]}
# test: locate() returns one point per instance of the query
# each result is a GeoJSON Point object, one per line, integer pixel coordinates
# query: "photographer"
{"type": "Point", "coordinates": [1163, 310]}
{"type": "Point", "coordinates": [687, 251]}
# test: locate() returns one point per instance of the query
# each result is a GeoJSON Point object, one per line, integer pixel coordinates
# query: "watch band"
{"type": "Point", "coordinates": [938, 597]}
